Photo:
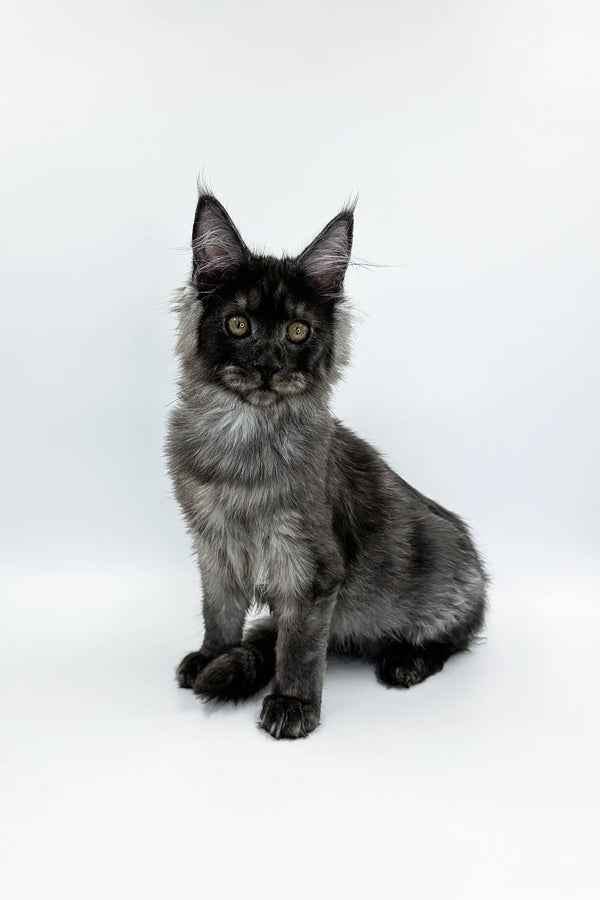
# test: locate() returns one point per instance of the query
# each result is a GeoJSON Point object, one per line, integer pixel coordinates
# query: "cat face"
{"type": "Point", "coordinates": [268, 327]}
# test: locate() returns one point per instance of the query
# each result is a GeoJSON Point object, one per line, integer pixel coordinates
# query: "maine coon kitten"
{"type": "Point", "coordinates": [285, 505]}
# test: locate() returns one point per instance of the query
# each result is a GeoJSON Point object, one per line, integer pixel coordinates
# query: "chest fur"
{"type": "Point", "coordinates": [240, 478]}
{"type": "Point", "coordinates": [259, 539]}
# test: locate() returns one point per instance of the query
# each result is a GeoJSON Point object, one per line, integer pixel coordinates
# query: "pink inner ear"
{"type": "Point", "coordinates": [214, 255]}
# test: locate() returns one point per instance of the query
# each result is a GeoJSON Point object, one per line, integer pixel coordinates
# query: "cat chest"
{"type": "Point", "coordinates": [259, 539]}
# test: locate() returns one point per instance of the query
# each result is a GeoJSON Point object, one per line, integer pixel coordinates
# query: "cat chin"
{"type": "Point", "coordinates": [269, 397]}
{"type": "Point", "coordinates": [262, 398]}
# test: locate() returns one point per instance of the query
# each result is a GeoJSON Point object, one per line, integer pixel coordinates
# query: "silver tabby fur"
{"type": "Point", "coordinates": [286, 507]}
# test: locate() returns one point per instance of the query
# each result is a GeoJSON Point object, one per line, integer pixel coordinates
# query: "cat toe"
{"type": "Point", "coordinates": [403, 675]}
{"type": "Point", "coordinates": [189, 668]}
{"type": "Point", "coordinates": [404, 665]}
{"type": "Point", "coordinates": [288, 717]}
{"type": "Point", "coordinates": [231, 676]}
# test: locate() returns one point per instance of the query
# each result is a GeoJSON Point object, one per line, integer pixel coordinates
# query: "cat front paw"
{"type": "Point", "coordinates": [288, 717]}
{"type": "Point", "coordinates": [234, 675]}
{"type": "Point", "coordinates": [190, 667]}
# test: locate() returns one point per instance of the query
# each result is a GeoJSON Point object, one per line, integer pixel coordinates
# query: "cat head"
{"type": "Point", "coordinates": [264, 329]}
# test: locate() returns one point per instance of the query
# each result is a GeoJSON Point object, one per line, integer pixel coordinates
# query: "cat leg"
{"type": "Point", "coordinates": [405, 663]}
{"type": "Point", "coordinates": [224, 607]}
{"type": "Point", "coordinates": [241, 671]}
{"type": "Point", "coordinates": [293, 709]}
{"type": "Point", "coordinates": [400, 664]}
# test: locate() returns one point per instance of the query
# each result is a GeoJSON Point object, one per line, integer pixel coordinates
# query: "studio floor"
{"type": "Point", "coordinates": [481, 782]}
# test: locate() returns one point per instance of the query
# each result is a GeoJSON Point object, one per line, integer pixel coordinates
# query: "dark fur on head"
{"type": "Point", "coordinates": [264, 366]}
{"type": "Point", "coordinates": [286, 506]}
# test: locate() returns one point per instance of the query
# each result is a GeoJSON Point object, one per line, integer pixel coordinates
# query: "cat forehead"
{"type": "Point", "coordinates": [276, 300]}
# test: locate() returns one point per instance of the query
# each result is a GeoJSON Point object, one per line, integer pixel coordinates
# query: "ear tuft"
{"type": "Point", "coordinates": [217, 245]}
{"type": "Point", "coordinates": [326, 259]}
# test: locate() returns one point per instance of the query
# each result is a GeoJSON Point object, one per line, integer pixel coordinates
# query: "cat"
{"type": "Point", "coordinates": [286, 507]}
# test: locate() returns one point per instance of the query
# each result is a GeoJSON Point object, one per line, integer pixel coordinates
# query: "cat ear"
{"type": "Point", "coordinates": [216, 242]}
{"type": "Point", "coordinates": [326, 259]}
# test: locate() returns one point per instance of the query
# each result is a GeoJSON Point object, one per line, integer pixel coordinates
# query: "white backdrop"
{"type": "Point", "coordinates": [471, 131]}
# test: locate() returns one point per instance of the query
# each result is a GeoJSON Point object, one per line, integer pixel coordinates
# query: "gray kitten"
{"type": "Point", "coordinates": [287, 507]}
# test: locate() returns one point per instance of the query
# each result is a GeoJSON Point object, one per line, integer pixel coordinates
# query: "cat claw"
{"type": "Point", "coordinates": [288, 717]}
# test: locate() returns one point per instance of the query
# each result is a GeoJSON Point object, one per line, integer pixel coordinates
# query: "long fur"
{"type": "Point", "coordinates": [287, 507]}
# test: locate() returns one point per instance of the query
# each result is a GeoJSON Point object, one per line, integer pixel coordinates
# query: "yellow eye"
{"type": "Point", "coordinates": [298, 331]}
{"type": "Point", "coordinates": [238, 326]}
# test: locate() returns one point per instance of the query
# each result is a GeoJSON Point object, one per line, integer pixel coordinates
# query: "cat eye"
{"type": "Point", "coordinates": [297, 332]}
{"type": "Point", "coordinates": [238, 326]}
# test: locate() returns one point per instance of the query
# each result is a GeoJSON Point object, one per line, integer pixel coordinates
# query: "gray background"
{"type": "Point", "coordinates": [471, 131]}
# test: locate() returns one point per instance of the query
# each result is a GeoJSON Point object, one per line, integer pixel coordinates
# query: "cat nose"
{"type": "Point", "coordinates": [267, 372]}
